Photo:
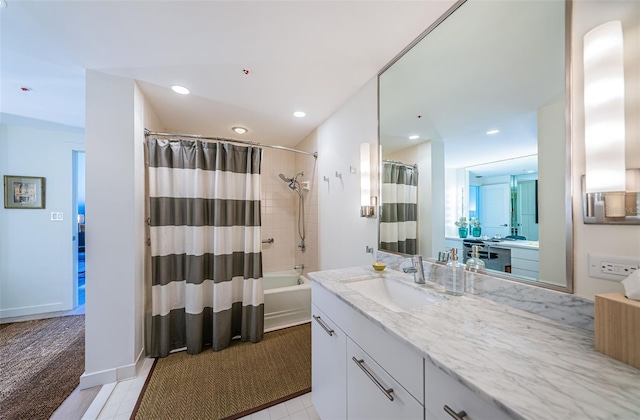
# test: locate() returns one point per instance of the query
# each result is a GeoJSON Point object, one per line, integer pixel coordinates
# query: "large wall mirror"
{"type": "Point", "coordinates": [474, 124]}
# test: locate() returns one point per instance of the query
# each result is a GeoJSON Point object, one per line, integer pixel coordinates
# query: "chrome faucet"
{"type": "Point", "coordinates": [416, 268]}
{"type": "Point", "coordinates": [298, 267]}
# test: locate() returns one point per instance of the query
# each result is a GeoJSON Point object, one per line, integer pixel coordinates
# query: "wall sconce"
{"type": "Point", "coordinates": [606, 197]}
{"type": "Point", "coordinates": [367, 201]}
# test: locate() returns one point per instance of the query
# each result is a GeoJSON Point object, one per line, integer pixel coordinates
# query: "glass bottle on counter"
{"type": "Point", "coordinates": [454, 281]}
{"type": "Point", "coordinates": [475, 263]}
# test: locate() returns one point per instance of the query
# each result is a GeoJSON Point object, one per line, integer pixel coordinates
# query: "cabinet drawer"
{"type": "Point", "coordinates": [441, 390]}
{"type": "Point", "coordinates": [370, 390]}
{"type": "Point", "coordinates": [326, 301]}
{"type": "Point", "coordinates": [525, 273]}
{"type": "Point", "coordinates": [399, 359]}
{"type": "Point", "coordinates": [524, 264]}
{"type": "Point", "coordinates": [328, 366]}
{"type": "Point", "coordinates": [525, 254]}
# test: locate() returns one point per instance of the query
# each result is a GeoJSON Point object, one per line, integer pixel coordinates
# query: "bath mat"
{"type": "Point", "coordinates": [40, 366]}
{"type": "Point", "coordinates": [232, 383]}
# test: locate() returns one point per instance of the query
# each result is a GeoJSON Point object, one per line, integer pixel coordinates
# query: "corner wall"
{"type": "Point", "coordinates": [343, 234]}
{"type": "Point", "coordinates": [116, 115]}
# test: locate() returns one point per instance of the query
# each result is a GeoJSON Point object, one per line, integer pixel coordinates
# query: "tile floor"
{"type": "Point", "coordinates": [124, 395]}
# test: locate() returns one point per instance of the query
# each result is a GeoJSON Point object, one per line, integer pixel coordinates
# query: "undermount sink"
{"type": "Point", "coordinates": [393, 294]}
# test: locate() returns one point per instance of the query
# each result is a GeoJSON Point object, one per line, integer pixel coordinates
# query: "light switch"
{"type": "Point", "coordinates": [56, 216]}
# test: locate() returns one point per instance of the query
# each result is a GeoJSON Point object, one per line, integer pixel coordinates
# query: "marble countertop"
{"type": "Point", "coordinates": [531, 366]}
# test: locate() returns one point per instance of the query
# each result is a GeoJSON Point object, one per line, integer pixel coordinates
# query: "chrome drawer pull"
{"type": "Point", "coordinates": [323, 325]}
{"type": "Point", "coordinates": [386, 392]}
{"type": "Point", "coordinates": [458, 416]}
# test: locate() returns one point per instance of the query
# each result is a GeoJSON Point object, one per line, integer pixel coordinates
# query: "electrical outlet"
{"type": "Point", "coordinates": [612, 268]}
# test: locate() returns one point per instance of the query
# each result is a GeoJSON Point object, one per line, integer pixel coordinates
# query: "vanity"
{"type": "Point", "coordinates": [387, 348]}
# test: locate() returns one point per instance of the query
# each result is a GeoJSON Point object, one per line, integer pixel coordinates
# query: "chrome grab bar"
{"type": "Point", "coordinates": [385, 391]}
{"type": "Point", "coordinates": [323, 325]}
{"type": "Point", "coordinates": [268, 241]}
{"type": "Point", "coordinates": [457, 416]}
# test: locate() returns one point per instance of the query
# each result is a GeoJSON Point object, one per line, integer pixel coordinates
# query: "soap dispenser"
{"type": "Point", "coordinates": [454, 281]}
{"type": "Point", "coordinates": [475, 263]}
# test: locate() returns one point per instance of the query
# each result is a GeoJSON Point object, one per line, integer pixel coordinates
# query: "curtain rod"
{"type": "Point", "coordinates": [397, 162]}
{"type": "Point", "coordinates": [251, 143]}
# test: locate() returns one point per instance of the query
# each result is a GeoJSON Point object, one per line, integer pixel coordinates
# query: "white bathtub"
{"type": "Point", "coordinates": [287, 300]}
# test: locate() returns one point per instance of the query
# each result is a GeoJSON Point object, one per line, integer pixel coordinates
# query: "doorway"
{"type": "Point", "coordinates": [79, 227]}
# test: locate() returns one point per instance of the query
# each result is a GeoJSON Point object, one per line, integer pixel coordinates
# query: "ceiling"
{"type": "Point", "coordinates": [301, 55]}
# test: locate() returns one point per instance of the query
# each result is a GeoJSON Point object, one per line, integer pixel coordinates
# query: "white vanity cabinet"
{"type": "Point", "coordinates": [384, 376]}
{"type": "Point", "coordinates": [524, 262]}
{"type": "Point", "coordinates": [442, 390]}
{"type": "Point", "coordinates": [372, 393]}
{"type": "Point", "coordinates": [328, 366]}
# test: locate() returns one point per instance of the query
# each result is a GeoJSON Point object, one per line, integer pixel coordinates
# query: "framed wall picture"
{"type": "Point", "coordinates": [23, 192]}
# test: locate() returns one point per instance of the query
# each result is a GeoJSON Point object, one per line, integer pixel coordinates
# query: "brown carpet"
{"type": "Point", "coordinates": [234, 382]}
{"type": "Point", "coordinates": [40, 365]}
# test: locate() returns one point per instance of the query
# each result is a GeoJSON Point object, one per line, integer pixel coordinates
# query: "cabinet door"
{"type": "Point", "coordinates": [372, 393]}
{"type": "Point", "coordinates": [328, 367]}
{"type": "Point", "coordinates": [441, 389]}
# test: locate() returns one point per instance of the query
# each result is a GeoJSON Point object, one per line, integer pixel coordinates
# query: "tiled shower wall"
{"type": "Point", "coordinates": [308, 165]}
{"type": "Point", "coordinates": [280, 209]}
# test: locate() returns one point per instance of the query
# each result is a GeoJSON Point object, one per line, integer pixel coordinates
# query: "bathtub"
{"type": "Point", "coordinates": [287, 300]}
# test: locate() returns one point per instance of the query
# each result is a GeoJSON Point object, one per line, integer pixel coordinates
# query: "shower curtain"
{"type": "Point", "coordinates": [398, 220]}
{"type": "Point", "coordinates": [206, 260]}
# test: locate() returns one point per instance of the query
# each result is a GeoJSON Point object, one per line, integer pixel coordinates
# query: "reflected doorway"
{"type": "Point", "coordinates": [79, 228]}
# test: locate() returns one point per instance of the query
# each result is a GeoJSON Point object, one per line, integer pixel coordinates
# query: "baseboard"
{"type": "Point", "coordinates": [89, 380]}
{"type": "Point", "coordinates": [33, 310]}
{"type": "Point", "coordinates": [121, 373]}
{"type": "Point", "coordinates": [139, 362]}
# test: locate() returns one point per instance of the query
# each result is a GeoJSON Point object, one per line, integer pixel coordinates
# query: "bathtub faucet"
{"type": "Point", "coordinates": [298, 267]}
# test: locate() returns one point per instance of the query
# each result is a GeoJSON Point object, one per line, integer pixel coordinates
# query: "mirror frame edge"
{"type": "Point", "coordinates": [569, 272]}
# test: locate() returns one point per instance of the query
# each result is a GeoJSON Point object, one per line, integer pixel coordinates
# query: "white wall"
{"type": "Point", "coordinates": [343, 233]}
{"type": "Point", "coordinates": [36, 254]}
{"type": "Point", "coordinates": [552, 194]}
{"type": "Point", "coordinates": [342, 133]}
{"type": "Point", "coordinates": [116, 115]}
{"type": "Point", "coordinates": [604, 239]}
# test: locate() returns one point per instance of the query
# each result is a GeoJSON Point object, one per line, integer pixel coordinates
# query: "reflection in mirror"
{"type": "Point", "coordinates": [399, 198]}
{"type": "Point", "coordinates": [479, 105]}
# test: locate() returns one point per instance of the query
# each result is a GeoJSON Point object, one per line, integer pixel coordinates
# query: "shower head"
{"type": "Point", "coordinates": [285, 179]}
{"type": "Point", "coordinates": [293, 182]}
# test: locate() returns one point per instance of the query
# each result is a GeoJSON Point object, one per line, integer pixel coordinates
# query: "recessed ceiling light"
{"type": "Point", "coordinates": [414, 137]}
{"type": "Point", "coordinates": [240, 130]}
{"type": "Point", "coordinates": [490, 132]}
{"type": "Point", "coordinates": [180, 89]}
{"type": "Point", "coordinates": [299, 114]}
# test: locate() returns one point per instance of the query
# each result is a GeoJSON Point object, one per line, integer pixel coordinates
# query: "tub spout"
{"type": "Point", "coordinates": [298, 267]}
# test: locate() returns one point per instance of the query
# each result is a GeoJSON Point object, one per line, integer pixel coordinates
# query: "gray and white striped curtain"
{"type": "Point", "coordinates": [398, 220]}
{"type": "Point", "coordinates": [206, 260]}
